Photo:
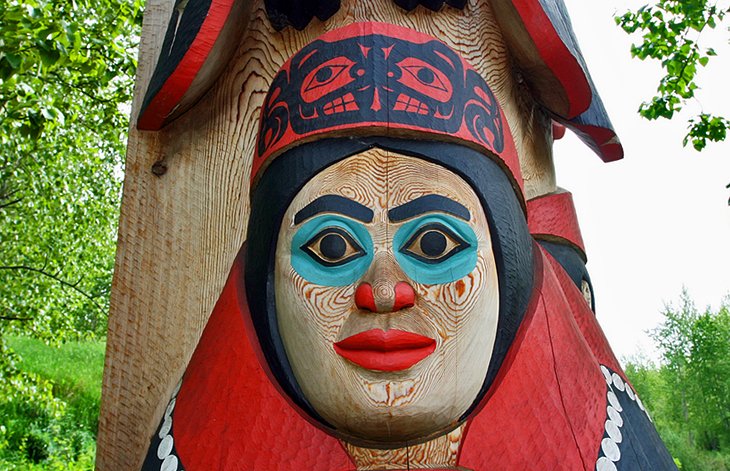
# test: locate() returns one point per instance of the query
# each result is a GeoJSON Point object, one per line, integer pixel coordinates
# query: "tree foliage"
{"type": "Point", "coordinates": [66, 79]}
{"type": "Point", "coordinates": [689, 393]}
{"type": "Point", "coordinates": [66, 76]}
{"type": "Point", "coordinates": [671, 31]}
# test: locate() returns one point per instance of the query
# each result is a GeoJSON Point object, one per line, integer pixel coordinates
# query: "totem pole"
{"type": "Point", "coordinates": [342, 246]}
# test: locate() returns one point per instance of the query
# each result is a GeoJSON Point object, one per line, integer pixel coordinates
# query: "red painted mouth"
{"type": "Point", "coordinates": [385, 350]}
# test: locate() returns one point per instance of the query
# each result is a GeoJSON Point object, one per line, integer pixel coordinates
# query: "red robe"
{"type": "Point", "coordinates": [546, 410]}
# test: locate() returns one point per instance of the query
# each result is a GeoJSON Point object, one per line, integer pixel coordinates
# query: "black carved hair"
{"type": "Point", "coordinates": [299, 13]}
{"type": "Point", "coordinates": [289, 172]}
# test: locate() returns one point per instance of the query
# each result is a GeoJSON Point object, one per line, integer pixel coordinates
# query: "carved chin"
{"type": "Point", "coordinates": [388, 410]}
{"type": "Point", "coordinates": [393, 421]}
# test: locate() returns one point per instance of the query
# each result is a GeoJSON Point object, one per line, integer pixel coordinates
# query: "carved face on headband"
{"type": "Point", "coordinates": [374, 76]}
{"type": "Point", "coordinates": [387, 296]}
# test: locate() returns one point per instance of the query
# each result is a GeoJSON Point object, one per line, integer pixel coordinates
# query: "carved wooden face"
{"type": "Point", "coordinates": [387, 296]}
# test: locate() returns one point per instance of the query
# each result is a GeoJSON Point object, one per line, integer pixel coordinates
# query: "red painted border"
{"type": "Point", "coordinates": [178, 83]}
{"type": "Point", "coordinates": [556, 56]}
{"type": "Point", "coordinates": [554, 215]}
{"type": "Point", "coordinates": [604, 141]}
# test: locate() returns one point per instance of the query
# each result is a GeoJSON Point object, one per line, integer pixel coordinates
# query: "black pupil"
{"type": "Point", "coordinates": [332, 246]}
{"type": "Point", "coordinates": [433, 243]}
{"type": "Point", "coordinates": [425, 75]}
{"type": "Point", "coordinates": [323, 74]}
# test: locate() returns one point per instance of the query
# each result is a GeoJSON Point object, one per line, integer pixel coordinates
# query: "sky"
{"type": "Point", "coordinates": [658, 220]}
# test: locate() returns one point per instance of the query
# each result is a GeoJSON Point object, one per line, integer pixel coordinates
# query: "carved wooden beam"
{"type": "Point", "coordinates": [202, 34]}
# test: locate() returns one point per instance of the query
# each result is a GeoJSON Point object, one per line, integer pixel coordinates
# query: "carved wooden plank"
{"type": "Point", "coordinates": [200, 39]}
{"type": "Point", "coordinates": [552, 217]}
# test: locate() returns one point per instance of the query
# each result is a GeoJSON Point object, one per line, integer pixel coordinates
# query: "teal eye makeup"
{"type": "Point", "coordinates": [331, 250]}
{"type": "Point", "coordinates": [434, 243]}
{"type": "Point", "coordinates": [436, 249]}
{"type": "Point", "coordinates": [333, 247]}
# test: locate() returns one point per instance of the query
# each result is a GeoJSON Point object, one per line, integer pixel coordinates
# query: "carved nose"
{"type": "Point", "coordinates": [384, 298]}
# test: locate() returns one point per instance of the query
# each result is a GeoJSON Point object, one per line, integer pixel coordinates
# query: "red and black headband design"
{"type": "Point", "coordinates": [381, 79]}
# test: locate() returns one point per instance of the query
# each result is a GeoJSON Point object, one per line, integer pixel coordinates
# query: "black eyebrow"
{"type": "Point", "coordinates": [427, 204]}
{"type": "Point", "coordinates": [334, 204]}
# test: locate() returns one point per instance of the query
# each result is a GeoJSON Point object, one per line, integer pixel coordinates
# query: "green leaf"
{"type": "Point", "coordinates": [66, 83]}
{"type": "Point", "coordinates": [669, 32]}
{"type": "Point", "coordinates": [49, 56]}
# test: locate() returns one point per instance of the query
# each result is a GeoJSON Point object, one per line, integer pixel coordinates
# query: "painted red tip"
{"type": "Point", "coordinates": [364, 298]}
{"type": "Point", "coordinates": [558, 131]}
{"type": "Point", "coordinates": [404, 296]}
{"type": "Point", "coordinates": [376, 100]}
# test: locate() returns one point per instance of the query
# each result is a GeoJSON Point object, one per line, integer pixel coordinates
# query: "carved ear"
{"type": "Point", "coordinates": [541, 38]}
{"type": "Point", "coordinates": [200, 39]}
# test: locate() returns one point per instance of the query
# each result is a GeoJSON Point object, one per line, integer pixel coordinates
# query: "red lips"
{"type": "Point", "coordinates": [385, 350]}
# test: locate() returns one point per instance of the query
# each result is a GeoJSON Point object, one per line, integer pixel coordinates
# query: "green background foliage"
{"type": "Point", "coordinates": [66, 76]}
{"type": "Point", "coordinates": [51, 407]}
{"type": "Point", "coordinates": [66, 79]}
{"type": "Point", "coordinates": [688, 393]}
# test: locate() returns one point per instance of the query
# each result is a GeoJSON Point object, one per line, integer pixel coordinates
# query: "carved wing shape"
{"type": "Point", "coordinates": [200, 39]}
{"type": "Point", "coordinates": [540, 35]}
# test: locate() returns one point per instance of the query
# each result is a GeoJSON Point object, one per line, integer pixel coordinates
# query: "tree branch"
{"type": "Point", "coordinates": [10, 203]}
{"type": "Point", "coordinates": [13, 318]}
{"type": "Point", "coordinates": [73, 286]}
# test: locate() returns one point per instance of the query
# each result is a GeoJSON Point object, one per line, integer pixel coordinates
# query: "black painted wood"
{"type": "Point", "coordinates": [187, 18]}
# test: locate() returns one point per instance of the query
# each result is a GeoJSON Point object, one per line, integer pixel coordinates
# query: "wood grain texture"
{"type": "Point", "coordinates": [388, 409]}
{"type": "Point", "coordinates": [179, 232]}
{"type": "Point", "coordinates": [440, 452]}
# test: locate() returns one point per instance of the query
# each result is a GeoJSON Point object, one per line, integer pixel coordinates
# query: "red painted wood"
{"type": "Point", "coordinates": [585, 319]}
{"type": "Point", "coordinates": [155, 115]}
{"type": "Point", "coordinates": [602, 140]}
{"type": "Point", "coordinates": [556, 55]}
{"type": "Point", "coordinates": [554, 215]}
{"type": "Point", "coordinates": [364, 298]}
{"type": "Point", "coordinates": [558, 131]}
{"type": "Point", "coordinates": [385, 350]}
{"type": "Point", "coordinates": [404, 296]}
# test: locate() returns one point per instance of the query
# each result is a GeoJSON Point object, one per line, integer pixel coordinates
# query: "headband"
{"type": "Point", "coordinates": [377, 79]}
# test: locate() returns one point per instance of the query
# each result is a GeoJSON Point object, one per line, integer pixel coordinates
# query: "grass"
{"type": "Point", "coordinates": [55, 430]}
{"type": "Point", "coordinates": [74, 368]}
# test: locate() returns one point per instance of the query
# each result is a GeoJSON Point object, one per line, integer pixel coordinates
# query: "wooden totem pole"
{"type": "Point", "coordinates": [342, 246]}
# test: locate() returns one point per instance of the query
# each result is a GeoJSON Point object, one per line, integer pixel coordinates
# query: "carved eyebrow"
{"type": "Point", "coordinates": [334, 204]}
{"type": "Point", "coordinates": [427, 204]}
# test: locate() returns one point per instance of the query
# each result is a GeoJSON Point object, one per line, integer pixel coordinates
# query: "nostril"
{"type": "Point", "coordinates": [364, 298]}
{"type": "Point", "coordinates": [404, 296]}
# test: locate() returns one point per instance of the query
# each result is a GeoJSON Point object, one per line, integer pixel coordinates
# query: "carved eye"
{"type": "Point", "coordinates": [332, 247]}
{"type": "Point", "coordinates": [326, 78]}
{"type": "Point", "coordinates": [434, 243]}
{"type": "Point", "coordinates": [425, 78]}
